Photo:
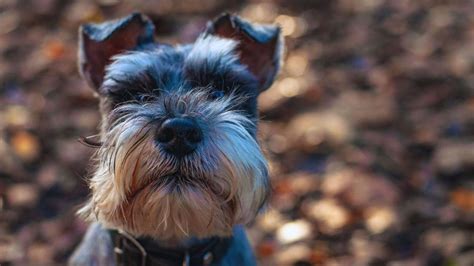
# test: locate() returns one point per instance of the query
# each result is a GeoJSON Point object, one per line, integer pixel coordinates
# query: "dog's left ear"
{"type": "Point", "coordinates": [260, 46]}
{"type": "Point", "coordinates": [98, 43]}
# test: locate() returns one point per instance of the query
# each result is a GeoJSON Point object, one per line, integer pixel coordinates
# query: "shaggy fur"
{"type": "Point", "coordinates": [140, 187]}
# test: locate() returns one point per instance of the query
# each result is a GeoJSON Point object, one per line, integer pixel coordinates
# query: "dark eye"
{"type": "Point", "coordinates": [217, 94]}
{"type": "Point", "coordinates": [118, 94]}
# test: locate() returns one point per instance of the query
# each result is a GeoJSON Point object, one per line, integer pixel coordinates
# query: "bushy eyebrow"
{"type": "Point", "coordinates": [131, 84]}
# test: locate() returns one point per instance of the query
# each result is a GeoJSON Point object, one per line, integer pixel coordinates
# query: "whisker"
{"type": "Point", "coordinates": [90, 143]}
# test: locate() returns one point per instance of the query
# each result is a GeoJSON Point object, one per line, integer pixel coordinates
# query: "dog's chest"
{"type": "Point", "coordinates": [98, 248]}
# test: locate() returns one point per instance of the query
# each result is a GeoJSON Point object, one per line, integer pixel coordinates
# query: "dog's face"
{"type": "Point", "coordinates": [179, 155]}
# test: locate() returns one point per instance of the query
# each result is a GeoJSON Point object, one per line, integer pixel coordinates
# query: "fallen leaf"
{"type": "Point", "coordinates": [329, 214]}
{"type": "Point", "coordinates": [294, 231]}
{"type": "Point", "coordinates": [463, 198]}
{"type": "Point", "coordinates": [22, 195]}
{"type": "Point", "coordinates": [25, 145]}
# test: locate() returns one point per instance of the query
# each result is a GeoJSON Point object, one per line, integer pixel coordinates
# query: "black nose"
{"type": "Point", "coordinates": [179, 136]}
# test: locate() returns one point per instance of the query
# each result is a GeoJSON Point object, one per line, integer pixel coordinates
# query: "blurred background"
{"type": "Point", "coordinates": [369, 129]}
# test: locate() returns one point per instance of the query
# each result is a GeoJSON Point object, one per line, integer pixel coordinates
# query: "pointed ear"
{"type": "Point", "coordinates": [260, 46]}
{"type": "Point", "coordinates": [98, 43]}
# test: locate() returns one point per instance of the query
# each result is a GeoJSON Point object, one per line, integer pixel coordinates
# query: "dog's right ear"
{"type": "Point", "coordinates": [98, 43]}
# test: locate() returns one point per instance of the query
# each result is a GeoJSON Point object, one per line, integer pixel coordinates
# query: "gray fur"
{"type": "Point", "coordinates": [96, 249]}
{"type": "Point", "coordinates": [211, 192]}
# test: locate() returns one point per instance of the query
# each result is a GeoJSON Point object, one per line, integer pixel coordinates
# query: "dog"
{"type": "Point", "coordinates": [178, 169]}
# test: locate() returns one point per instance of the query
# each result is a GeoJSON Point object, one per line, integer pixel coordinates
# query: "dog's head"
{"type": "Point", "coordinates": [179, 155]}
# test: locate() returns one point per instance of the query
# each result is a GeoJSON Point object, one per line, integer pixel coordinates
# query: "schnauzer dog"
{"type": "Point", "coordinates": [179, 169]}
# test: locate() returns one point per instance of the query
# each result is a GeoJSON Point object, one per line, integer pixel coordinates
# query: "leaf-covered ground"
{"type": "Point", "coordinates": [369, 130]}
